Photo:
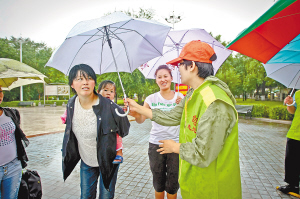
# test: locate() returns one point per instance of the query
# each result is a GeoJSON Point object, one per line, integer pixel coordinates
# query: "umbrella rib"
{"type": "Point", "coordinates": [183, 36]}
{"type": "Point", "coordinates": [280, 69]}
{"type": "Point", "coordinates": [284, 16]}
{"type": "Point", "coordinates": [124, 48]}
{"type": "Point", "coordinates": [293, 80]}
{"type": "Point", "coordinates": [159, 59]}
{"type": "Point", "coordinates": [143, 38]}
{"type": "Point", "coordinates": [5, 83]}
{"type": "Point", "coordinates": [171, 39]}
{"type": "Point", "coordinates": [79, 50]}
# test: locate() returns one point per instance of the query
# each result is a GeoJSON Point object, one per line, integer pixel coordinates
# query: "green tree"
{"type": "Point", "coordinates": [35, 55]}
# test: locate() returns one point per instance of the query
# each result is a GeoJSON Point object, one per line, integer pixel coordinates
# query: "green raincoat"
{"type": "Point", "coordinates": [294, 132]}
{"type": "Point", "coordinates": [209, 153]}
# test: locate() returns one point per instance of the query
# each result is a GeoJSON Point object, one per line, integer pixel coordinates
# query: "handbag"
{"type": "Point", "coordinates": [30, 186]}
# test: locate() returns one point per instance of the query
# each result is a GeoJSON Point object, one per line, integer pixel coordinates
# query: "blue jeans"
{"type": "Point", "coordinates": [89, 179]}
{"type": "Point", "coordinates": [10, 178]}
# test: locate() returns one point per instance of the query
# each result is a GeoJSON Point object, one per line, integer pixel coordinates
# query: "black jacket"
{"type": "Point", "coordinates": [108, 124]}
{"type": "Point", "coordinates": [19, 135]}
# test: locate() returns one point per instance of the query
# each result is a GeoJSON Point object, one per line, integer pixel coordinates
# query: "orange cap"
{"type": "Point", "coordinates": [195, 51]}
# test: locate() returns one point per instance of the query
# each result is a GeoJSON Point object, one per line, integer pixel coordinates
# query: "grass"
{"type": "Point", "coordinates": [253, 102]}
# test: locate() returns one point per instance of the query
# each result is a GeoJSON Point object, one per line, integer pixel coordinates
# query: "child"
{"type": "Point", "coordinates": [107, 89]}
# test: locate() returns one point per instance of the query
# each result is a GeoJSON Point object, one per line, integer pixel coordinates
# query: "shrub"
{"type": "Point", "coordinates": [280, 113]}
{"type": "Point", "coordinates": [260, 110]}
{"type": "Point", "coordinates": [10, 104]}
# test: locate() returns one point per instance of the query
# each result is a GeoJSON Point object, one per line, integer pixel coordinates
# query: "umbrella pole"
{"type": "Point", "coordinates": [112, 53]}
{"type": "Point", "coordinates": [292, 93]}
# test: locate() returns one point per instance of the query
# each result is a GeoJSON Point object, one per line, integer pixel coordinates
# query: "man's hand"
{"type": "Point", "coordinates": [168, 146]}
{"type": "Point", "coordinates": [288, 100]}
{"type": "Point", "coordinates": [132, 106]}
{"type": "Point", "coordinates": [178, 99]}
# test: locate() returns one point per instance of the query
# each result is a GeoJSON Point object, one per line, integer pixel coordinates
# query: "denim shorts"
{"type": "Point", "coordinates": [164, 168]}
{"type": "Point", "coordinates": [10, 178]}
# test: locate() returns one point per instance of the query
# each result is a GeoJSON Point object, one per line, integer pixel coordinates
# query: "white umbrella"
{"type": "Point", "coordinates": [287, 74]}
{"type": "Point", "coordinates": [173, 46]}
{"type": "Point", "coordinates": [114, 43]}
{"type": "Point", "coordinates": [15, 74]}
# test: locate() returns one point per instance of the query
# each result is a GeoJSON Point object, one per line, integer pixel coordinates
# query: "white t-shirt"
{"type": "Point", "coordinates": [8, 145]}
{"type": "Point", "coordinates": [159, 132]}
{"type": "Point", "coordinates": [84, 126]}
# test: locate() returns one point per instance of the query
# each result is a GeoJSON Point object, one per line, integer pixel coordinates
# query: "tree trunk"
{"type": "Point", "coordinates": [263, 88]}
{"type": "Point", "coordinates": [140, 98]}
{"type": "Point", "coordinates": [116, 98]}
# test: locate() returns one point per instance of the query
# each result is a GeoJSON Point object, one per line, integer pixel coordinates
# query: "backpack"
{"type": "Point", "coordinates": [30, 186]}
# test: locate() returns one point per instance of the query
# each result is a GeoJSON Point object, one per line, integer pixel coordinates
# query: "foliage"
{"type": "Point", "coordinates": [260, 110]}
{"type": "Point", "coordinates": [35, 55]}
{"type": "Point", "coordinates": [254, 102]}
{"type": "Point", "coordinates": [280, 113]}
{"type": "Point", "coordinates": [268, 109]}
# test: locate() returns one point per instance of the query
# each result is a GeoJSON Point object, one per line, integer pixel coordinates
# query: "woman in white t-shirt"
{"type": "Point", "coordinates": [164, 167]}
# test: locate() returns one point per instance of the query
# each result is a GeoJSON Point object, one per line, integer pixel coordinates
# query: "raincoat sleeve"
{"type": "Point", "coordinates": [172, 117]}
{"type": "Point", "coordinates": [213, 128]}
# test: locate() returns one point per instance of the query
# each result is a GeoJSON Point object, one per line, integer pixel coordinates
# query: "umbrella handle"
{"type": "Point", "coordinates": [120, 114]}
{"type": "Point", "coordinates": [291, 104]}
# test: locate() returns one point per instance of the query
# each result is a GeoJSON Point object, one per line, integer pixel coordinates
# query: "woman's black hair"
{"type": "Point", "coordinates": [85, 70]}
{"type": "Point", "coordinates": [163, 67]}
{"type": "Point", "coordinates": [104, 83]}
{"type": "Point", "coordinates": [204, 69]}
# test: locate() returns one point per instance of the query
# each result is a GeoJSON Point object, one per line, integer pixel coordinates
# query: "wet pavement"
{"type": "Point", "coordinates": [262, 149]}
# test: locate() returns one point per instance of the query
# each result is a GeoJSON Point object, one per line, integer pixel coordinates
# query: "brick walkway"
{"type": "Point", "coordinates": [262, 148]}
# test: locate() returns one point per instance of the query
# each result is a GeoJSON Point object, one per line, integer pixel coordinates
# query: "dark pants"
{"type": "Point", "coordinates": [164, 168]}
{"type": "Point", "coordinates": [292, 162]}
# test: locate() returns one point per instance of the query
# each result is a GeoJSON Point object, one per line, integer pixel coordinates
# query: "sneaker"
{"type": "Point", "coordinates": [289, 188]}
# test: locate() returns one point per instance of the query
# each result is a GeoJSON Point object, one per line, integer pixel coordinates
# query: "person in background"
{"type": "Point", "coordinates": [292, 153]}
{"type": "Point", "coordinates": [164, 167]}
{"type": "Point", "coordinates": [208, 139]}
{"type": "Point", "coordinates": [107, 89]}
{"type": "Point", "coordinates": [90, 135]}
{"type": "Point", "coordinates": [12, 151]}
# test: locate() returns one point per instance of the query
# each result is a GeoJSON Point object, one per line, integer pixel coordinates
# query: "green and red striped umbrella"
{"type": "Point", "coordinates": [274, 37]}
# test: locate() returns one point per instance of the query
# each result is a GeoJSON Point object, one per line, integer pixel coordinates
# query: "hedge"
{"type": "Point", "coordinates": [259, 110]}
{"type": "Point", "coordinates": [16, 103]}
{"type": "Point", "coordinates": [276, 112]}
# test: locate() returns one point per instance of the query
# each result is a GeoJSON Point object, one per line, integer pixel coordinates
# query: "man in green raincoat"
{"type": "Point", "coordinates": [292, 153]}
{"type": "Point", "coordinates": [208, 139]}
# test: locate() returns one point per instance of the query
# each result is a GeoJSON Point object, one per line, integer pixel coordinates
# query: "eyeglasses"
{"type": "Point", "coordinates": [180, 64]}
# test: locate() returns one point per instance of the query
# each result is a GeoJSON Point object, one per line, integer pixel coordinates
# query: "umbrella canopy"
{"type": "Point", "coordinates": [113, 43]}
{"type": "Point", "coordinates": [173, 45]}
{"type": "Point", "coordinates": [15, 74]}
{"type": "Point", "coordinates": [274, 37]}
{"type": "Point", "coordinates": [133, 42]}
{"type": "Point", "coordinates": [285, 73]}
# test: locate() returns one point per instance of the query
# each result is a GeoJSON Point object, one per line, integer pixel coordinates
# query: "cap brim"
{"type": "Point", "coordinates": [175, 62]}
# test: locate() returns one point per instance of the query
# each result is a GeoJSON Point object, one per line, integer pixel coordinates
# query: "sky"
{"type": "Point", "coordinates": [50, 21]}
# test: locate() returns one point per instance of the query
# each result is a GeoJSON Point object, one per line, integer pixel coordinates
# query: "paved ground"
{"type": "Point", "coordinates": [262, 148]}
